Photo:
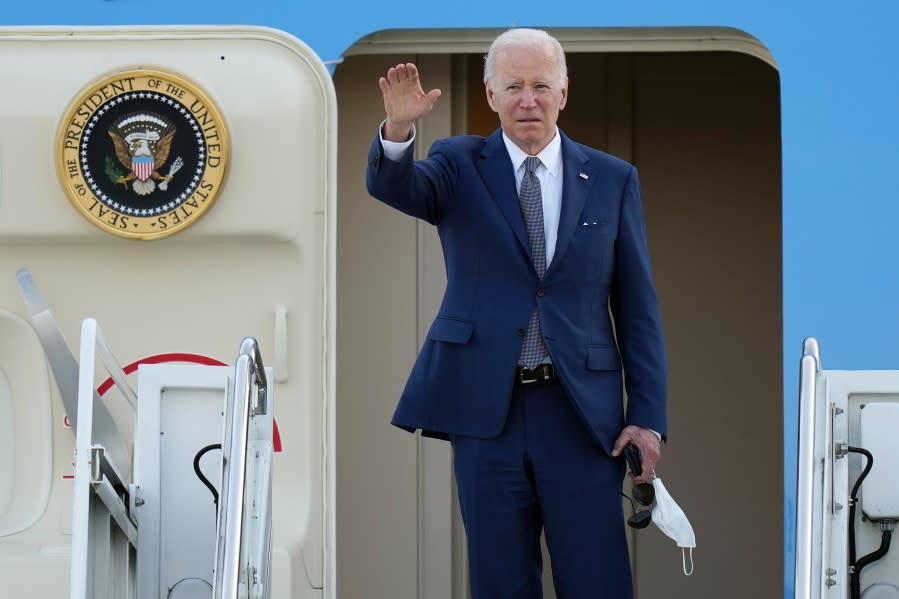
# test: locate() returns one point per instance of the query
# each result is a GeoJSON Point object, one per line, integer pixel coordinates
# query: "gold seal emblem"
{"type": "Point", "coordinates": [143, 153]}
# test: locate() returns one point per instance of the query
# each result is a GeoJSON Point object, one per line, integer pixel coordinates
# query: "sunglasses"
{"type": "Point", "coordinates": [645, 495]}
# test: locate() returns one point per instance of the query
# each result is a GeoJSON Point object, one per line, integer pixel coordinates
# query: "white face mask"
{"type": "Point", "coordinates": [672, 521]}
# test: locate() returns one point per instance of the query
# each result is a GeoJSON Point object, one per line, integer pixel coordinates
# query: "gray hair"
{"type": "Point", "coordinates": [528, 38]}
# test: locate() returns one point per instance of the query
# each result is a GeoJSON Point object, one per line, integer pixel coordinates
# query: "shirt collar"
{"type": "Point", "coordinates": [550, 156]}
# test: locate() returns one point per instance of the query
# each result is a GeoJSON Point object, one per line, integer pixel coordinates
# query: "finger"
{"type": "Point", "coordinates": [647, 465]}
{"type": "Point", "coordinates": [394, 75]}
{"type": "Point", "coordinates": [623, 439]}
{"type": "Point", "coordinates": [649, 447]}
{"type": "Point", "coordinates": [402, 72]}
{"type": "Point", "coordinates": [649, 460]}
{"type": "Point", "coordinates": [643, 478]}
{"type": "Point", "coordinates": [384, 85]}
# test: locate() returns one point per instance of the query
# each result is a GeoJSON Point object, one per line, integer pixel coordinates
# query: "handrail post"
{"type": "Point", "coordinates": [245, 399]}
{"type": "Point", "coordinates": [250, 348]}
{"type": "Point", "coordinates": [809, 367]}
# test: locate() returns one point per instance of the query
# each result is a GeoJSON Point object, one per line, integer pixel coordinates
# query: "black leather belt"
{"type": "Point", "coordinates": [544, 373]}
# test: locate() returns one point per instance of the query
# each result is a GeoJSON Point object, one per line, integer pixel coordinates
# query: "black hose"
{"type": "Point", "coordinates": [868, 466]}
{"type": "Point", "coordinates": [203, 479]}
{"type": "Point", "coordinates": [855, 579]}
{"type": "Point", "coordinates": [853, 500]}
{"type": "Point", "coordinates": [854, 575]}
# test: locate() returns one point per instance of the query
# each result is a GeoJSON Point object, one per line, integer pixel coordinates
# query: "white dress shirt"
{"type": "Point", "coordinates": [550, 175]}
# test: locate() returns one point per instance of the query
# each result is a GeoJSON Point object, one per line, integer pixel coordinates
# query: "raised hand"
{"type": "Point", "coordinates": [404, 100]}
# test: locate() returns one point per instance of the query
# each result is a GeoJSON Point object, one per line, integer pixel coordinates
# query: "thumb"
{"type": "Point", "coordinates": [433, 95]}
{"type": "Point", "coordinates": [623, 439]}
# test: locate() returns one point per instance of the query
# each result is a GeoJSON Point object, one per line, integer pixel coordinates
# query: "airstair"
{"type": "Point", "coordinates": [847, 500]}
{"type": "Point", "coordinates": [165, 529]}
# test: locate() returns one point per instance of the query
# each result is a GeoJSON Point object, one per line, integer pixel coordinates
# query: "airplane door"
{"type": "Point", "coordinates": [177, 184]}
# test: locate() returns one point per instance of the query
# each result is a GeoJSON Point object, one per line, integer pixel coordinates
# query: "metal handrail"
{"type": "Point", "coordinates": [249, 347]}
{"type": "Point", "coordinates": [809, 367]}
{"type": "Point", "coordinates": [242, 403]}
{"type": "Point", "coordinates": [102, 453]}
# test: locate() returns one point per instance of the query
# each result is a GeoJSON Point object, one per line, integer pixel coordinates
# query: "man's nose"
{"type": "Point", "coordinates": [528, 98]}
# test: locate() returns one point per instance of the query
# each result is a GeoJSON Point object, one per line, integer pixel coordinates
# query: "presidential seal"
{"type": "Point", "coordinates": [142, 154]}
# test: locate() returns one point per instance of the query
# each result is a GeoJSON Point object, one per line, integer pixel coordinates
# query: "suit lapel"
{"type": "Point", "coordinates": [575, 189]}
{"type": "Point", "coordinates": [495, 169]}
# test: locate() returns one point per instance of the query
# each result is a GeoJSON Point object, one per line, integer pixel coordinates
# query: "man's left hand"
{"type": "Point", "coordinates": [650, 448]}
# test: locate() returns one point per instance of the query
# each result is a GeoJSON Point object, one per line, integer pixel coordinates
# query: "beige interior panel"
{"type": "Point", "coordinates": [706, 141]}
{"type": "Point", "coordinates": [377, 289]}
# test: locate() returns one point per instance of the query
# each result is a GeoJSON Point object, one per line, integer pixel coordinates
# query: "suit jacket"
{"type": "Point", "coordinates": [462, 381]}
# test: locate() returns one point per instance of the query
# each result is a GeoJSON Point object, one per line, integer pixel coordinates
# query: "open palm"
{"type": "Point", "coordinates": [404, 100]}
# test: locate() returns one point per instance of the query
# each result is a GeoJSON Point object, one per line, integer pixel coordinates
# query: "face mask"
{"type": "Point", "coordinates": [672, 521]}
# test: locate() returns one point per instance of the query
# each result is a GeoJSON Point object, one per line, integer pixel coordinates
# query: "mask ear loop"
{"type": "Point", "coordinates": [683, 559]}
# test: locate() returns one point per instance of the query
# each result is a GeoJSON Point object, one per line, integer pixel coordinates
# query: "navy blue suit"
{"type": "Point", "coordinates": [461, 386]}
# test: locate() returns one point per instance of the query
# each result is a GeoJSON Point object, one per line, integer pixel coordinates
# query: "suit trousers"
{"type": "Point", "coordinates": [543, 472]}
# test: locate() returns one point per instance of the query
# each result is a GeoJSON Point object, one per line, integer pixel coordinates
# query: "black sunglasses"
{"type": "Point", "coordinates": [645, 495]}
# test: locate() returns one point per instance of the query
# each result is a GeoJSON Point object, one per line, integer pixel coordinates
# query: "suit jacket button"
{"type": "Point", "coordinates": [521, 332]}
{"type": "Point", "coordinates": [541, 292]}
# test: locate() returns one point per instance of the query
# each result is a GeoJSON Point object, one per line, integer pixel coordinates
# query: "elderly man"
{"type": "Point", "coordinates": [549, 293]}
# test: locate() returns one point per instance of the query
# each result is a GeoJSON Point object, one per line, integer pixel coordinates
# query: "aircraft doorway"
{"type": "Point", "coordinates": [704, 130]}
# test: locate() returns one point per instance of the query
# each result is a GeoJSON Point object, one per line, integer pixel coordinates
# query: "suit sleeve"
{"type": "Point", "coordinates": [419, 188]}
{"type": "Point", "coordinates": [638, 325]}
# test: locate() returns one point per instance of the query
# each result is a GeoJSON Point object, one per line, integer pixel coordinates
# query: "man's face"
{"type": "Point", "coordinates": [526, 93]}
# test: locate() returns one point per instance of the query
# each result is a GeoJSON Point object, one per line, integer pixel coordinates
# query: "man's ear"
{"type": "Point", "coordinates": [490, 100]}
{"type": "Point", "coordinates": [564, 96]}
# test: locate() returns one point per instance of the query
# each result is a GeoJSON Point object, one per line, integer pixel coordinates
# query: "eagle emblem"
{"type": "Point", "coordinates": [143, 142]}
{"type": "Point", "coordinates": [142, 153]}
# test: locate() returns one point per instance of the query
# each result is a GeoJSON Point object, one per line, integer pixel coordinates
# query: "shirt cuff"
{"type": "Point", "coordinates": [394, 150]}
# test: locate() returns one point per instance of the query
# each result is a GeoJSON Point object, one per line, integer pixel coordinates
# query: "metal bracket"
{"type": "Point", "coordinates": [107, 484]}
{"type": "Point", "coordinates": [840, 449]}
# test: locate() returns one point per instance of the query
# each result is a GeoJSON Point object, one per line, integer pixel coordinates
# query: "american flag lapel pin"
{"type": "Point", "coordinates": [583, 176]}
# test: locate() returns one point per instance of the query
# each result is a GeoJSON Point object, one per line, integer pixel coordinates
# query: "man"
{"type": "Point", "coordinates": [521, 369]}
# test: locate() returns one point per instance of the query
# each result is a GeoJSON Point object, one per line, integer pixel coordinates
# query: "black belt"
{"type": "Point", "coordinates": [544, 373]}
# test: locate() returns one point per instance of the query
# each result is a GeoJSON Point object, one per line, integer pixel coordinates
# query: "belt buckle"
{"type": "Point", "coordinates": [521, 376]}
{"type": "Point", "coordinates": [541, 373]}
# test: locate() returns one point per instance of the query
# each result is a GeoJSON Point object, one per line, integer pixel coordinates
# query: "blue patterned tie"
{"type": "Point", "coordinates": [533, 351]}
